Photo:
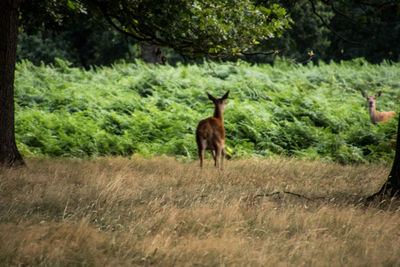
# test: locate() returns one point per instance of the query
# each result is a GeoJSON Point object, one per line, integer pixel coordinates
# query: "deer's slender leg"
{"type": "Point", "coordinates": [222, 158]}
{"type": "Point", "coordinates": [214, 157]}
{"type": "Point", "coordinates": [218, 156]}
{"type": "Point", "coordinates": [201, 156]}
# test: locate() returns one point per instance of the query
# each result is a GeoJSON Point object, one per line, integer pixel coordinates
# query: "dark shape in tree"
{"type": "Point", "coordinates": [152, 53]}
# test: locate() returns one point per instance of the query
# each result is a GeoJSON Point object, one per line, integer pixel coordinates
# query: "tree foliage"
{"type": "Point", "coordinates": [191, 28]}
{"type": "Point", "coordinates": [328, 30]}
{"type": "Point", "coordinates": [195, 27]}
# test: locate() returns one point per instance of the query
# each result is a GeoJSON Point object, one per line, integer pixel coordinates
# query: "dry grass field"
{"type": "Point", "coordinates": [163, 212]}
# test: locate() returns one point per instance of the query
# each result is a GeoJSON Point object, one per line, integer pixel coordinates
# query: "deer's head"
{"type": "Point", "coordinates": [219, 102]}
{"type": "Point", "coordinates": [371, 99]}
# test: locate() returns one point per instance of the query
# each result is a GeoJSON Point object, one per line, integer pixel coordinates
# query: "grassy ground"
{"type": "Point", "coordinates": [159, 211]}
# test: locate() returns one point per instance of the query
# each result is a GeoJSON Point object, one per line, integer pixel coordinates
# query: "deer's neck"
{"type": "Point", "coordinates": [373, 115]}
{"type": "Point", "coordinates": [218, 113]}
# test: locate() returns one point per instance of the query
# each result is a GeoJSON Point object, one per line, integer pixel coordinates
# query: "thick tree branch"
{"type": "Point", "coordinates": [275, 52]}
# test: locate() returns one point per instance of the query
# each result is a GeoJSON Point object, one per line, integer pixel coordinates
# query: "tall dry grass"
{"type": "Point", "coordinates": [117, 211]}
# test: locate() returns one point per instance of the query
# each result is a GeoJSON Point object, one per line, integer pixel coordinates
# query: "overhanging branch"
{"type": "Point", "coordinates": [275, 52]}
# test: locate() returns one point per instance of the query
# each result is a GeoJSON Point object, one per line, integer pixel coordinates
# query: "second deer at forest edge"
{"type": "Point", "coordinates": [373, 114]}
{"type": "Point", "coordinates": [210, 133]}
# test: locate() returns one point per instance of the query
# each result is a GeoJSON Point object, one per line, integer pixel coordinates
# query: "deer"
{"type": "Point", "coordinates": [210, 133]}
{"type": "Point", "coordinates": [373, 114]}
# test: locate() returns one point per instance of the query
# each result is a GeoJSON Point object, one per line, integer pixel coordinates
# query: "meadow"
{"type": "Point", "coordinates": [303, 111]}
{"type": "Point", "coordinates": [164, 212]}
{"type": "Point", "coordinates": [112, 176]}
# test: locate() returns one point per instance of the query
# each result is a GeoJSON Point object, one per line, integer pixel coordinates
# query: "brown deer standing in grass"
{"type": "Point", "coordinates": [210, 133]}
{"type": "Point", "coordinates": [373, 114]}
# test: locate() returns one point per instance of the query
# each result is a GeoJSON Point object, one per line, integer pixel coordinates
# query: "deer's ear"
{"type": "Point", "coordinates": [378, 94]}
{"type": "Point", "coordinates": [211, 97]}
{"type": "Point", "coordinates": [225, 95]}
{"type": "Point", "coordinates": [363, 94]}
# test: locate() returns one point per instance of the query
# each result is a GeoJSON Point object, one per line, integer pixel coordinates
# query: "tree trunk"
{"type": "Point", "coordinates": [9, 154]}
{"type": "Point", "coordinates": [391, 188]}
{"type": "Point", "coordinates": [152, 53]}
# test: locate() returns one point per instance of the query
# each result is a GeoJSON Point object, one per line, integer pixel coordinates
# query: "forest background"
{"type": "Point", "coordinates": [319, 31]}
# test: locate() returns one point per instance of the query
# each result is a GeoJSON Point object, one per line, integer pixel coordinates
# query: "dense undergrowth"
{"type": "Point", "coordinates": [313, 112]}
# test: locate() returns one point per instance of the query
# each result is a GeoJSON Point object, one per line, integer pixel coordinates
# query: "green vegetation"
{"type": "Point", "coordinates": [286, 109]}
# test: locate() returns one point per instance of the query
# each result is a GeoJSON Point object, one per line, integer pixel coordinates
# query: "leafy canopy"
{"type": "Point", "coordinates": [192, 27]}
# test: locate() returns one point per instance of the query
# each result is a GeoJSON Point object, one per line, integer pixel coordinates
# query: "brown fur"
{"type": "Point", "coordinates": [210, 133]}
{"type": "Point", "coordinates": [373, 114]}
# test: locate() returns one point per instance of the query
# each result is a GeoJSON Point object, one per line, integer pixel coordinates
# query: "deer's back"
{"type": "Point", "coordinates": [384, 116]}
{"type": "Point", "coordinates": [212, 130]}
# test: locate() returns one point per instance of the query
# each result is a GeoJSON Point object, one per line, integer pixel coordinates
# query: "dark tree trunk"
{"type": "Point", "coordinates": [152, 53]}
{"type": "Point", "coordinates": [9, 154]}
{"type": "Point", "coordinates": [391, 188]}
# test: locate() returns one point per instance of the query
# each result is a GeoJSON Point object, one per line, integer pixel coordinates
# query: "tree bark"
{"type": "Point", "coordinates": [9, 154]}
{"type": "Point", "coordinates": [152, 53]}
{"type": "Point", "coordinates": [391, 188]}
